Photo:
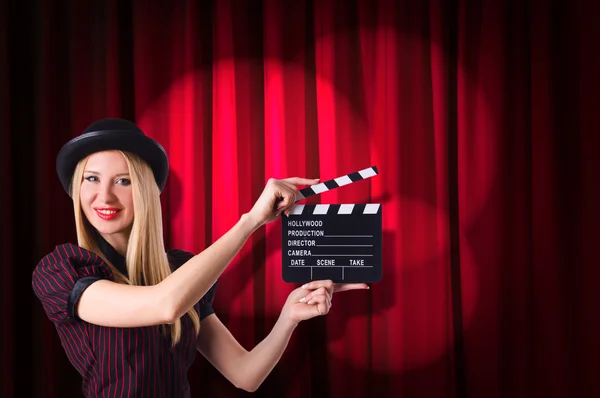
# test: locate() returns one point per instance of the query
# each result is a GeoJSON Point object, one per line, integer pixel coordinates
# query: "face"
{"type": "Point", "coordinates": [106, 196]}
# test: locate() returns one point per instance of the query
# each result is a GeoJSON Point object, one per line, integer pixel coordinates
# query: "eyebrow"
{"type": "Point", "coordinates": [97, 173]}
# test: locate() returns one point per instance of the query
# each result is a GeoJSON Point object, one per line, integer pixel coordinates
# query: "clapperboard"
{"type": "Point", "coordinates": [341, 242]}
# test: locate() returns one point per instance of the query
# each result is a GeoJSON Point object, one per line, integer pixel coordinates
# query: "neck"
{"type": "Point", "coordinates": [118, 242]}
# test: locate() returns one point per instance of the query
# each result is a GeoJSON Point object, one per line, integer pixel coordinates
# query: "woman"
{"type": "Point", "coordinates": [130, 314]}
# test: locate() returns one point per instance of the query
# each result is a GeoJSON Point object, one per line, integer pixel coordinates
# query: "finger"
{"type": "Point", "coordinates": [285, 190]}
{"type": "Point", "coordinates": [313, 285]}
{"type": "Point", "coordinates": [320, 303]}
{"type": "Point", "coordinates": [302, 181]}
{"type": "Point", "coordinates": [290, 185]}
{"type": "Point", "coordinates": [327, 284]}
{"type": "Point", "coordinates": [289, 197]}
{"type": "Point", "coordinates": [342, 287]}
{"type": "Point", "coordinates": [312, 294]}
{"type": "Point", "coordinates": [319, 291]}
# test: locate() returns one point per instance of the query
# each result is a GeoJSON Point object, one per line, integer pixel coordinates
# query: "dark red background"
{"type": "Point", "coordinates": [480, 116]}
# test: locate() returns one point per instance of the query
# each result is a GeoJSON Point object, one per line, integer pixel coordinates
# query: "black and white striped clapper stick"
{"type": "Point", "coordinates": [336, 182]}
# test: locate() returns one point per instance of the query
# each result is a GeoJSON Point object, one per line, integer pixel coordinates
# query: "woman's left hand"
{"type": "Point", "coordinates": [314, 299]}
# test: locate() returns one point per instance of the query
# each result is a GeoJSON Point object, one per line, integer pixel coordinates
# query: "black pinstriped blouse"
{"type": "Point", "coordinates": [114, 362]}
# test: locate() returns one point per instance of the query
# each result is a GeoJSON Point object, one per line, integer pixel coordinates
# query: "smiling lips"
{"type": "Point", "coordinates": [107, 213]}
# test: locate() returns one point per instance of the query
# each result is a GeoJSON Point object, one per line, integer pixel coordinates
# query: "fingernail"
{"type": "Point", "coordinates": [305, 286]}
{"type": "Point", "coordinates": [302, 299]}
{"type": "Point", "coordinates": [310, 302]}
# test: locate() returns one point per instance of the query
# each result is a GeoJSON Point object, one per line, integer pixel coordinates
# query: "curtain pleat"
{"type": "Point", "coordinates": [479, 115]}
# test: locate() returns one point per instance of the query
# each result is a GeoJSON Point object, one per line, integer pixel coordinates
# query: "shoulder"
{"type": "Point", "coordinates": [178, 257]}
{"type": "Point", "coordinates": [61, 275]}
{"type": "Point", "coordinates": [68, 251]}
{"type": "Point", "coordinates": [72, 259]}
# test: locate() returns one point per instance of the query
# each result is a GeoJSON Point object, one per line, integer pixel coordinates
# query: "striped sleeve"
{"type": "Point", "coordinates": [62, 275]}
{"type": "Point", "coordinates": [177, 259]}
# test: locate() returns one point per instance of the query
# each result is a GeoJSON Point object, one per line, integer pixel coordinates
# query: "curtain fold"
{"type": "Point", "coordinates": [480, 116]}
{"type": "Point", "coordinates": [6, 202]}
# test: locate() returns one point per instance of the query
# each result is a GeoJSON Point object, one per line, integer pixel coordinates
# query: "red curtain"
{"type": "Point", "coordinates": [479, 115]}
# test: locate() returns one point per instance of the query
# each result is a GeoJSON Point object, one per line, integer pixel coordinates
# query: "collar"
{"type": "Point", "coordinates": [112, 255]}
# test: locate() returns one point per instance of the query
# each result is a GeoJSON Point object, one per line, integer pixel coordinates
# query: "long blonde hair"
{"type": "Point", "coordinates": [146, 259]}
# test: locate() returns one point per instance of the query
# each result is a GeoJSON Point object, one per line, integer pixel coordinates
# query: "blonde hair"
{"type": "Point", "coordinates": [146, 259]}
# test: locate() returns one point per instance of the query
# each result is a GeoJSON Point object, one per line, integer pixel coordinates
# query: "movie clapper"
{"type": "Point", "coordinates": [341, 242]}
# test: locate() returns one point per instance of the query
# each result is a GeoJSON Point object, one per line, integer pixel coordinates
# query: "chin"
{"type": "Point", "coordinates": [108, 230]}
{"type": "Point", "coordinates": [109, 227]}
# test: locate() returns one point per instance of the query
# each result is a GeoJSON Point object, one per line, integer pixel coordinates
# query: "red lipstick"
{"type": "Point", "coordinates": [107, 213]}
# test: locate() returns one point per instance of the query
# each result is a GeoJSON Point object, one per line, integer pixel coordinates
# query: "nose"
{"type": "Point", "coordinates": [105, 192]}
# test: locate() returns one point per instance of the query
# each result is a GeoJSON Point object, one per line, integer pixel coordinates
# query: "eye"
{"type": "Point", "coordinates": [91, 178]}
{"type": "Point", "coordinates": [124, 181]}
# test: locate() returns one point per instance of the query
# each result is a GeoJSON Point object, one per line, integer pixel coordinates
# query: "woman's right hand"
{"type": "Point", "coordinates": [277, 197]}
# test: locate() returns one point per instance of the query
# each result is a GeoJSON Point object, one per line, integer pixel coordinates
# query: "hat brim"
{"type": "Point", "coordinates": [95, 141]}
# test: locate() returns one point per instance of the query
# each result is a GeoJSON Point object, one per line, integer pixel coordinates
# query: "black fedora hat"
{"type": "Point", "coordinates": [107, 134]}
